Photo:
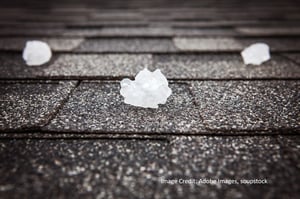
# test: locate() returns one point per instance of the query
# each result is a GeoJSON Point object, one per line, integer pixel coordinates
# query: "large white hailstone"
{"type": "Point", "coordinates": [256, 54]}
{"type": "Point", "coordinates": [147, 90]}
{"type": "Point", "coordinates": [36, 53]}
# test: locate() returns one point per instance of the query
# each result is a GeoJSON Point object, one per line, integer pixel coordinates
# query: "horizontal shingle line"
{"type": "Point", "coordinates": [110, 78]}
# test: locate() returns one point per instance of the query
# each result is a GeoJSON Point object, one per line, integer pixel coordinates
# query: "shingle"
{"type": "Point", "coordinates": [208, 66]}
{"type": "Point", "coordinates": [232, 158]}
{"type": "Point", "coordinates": [221, 23]}
{"type": "Point", "coordinates": [18, 25]}
{"type": "Point", "coordinates": [83, 32]}
{"type": "Point", "coordinates": [207, 44]}
{"type": "Point", "coordinates": [93, 65]}
{"type": "Point", "coordinates": [104, 66]}
{"type": "Point", "coordinates": [90, 168]}
{"type": "Point", "coordinates": [13, 66]}
{"type": "Point", "coordinates": [269, 31]}
{"type": "Point", "coordinates": [116, 16]}
{"type": "Point", "coordinates": [50, 17]}
{"type": "Point", "coordinates": [160, 17]}
{"type": "Point", "coordinates": [293, 56]}
{"type": "Point", "coordinates": [248, 105]}
{"type": "Point", "coordinates": [98, 107]}
{"type": "Point", "coordinates": [203, 32]}
{"type": "Point", "coordinates": [41, 31]}
{"type": "Point", "coordinates": [27, 105]}
{"type": "Point", "coordinates": [56, 44]}
{"type": "Point", "coordinates": [161, 31]}
{"type": "Point", "coordinates": [40, 134]}
{"type": "Point", "coordinates": [137, 32]}
{"type": "Point", "coordinates": [234, 44]}
{"type": "Point", "coordinates": [119, 32]}
{"type": "Point", "coordinates": [127, 45]}
{"type": "Point", "coordinates": [123, 168]}
{"type": "Point", "coordinates": [215, 23]}
{"type": "Point", "coordinates": [290, 148]}
{"type": "Point", "coordinates": [94, 24]}
{"type": "Point", "coordinates": [63, 44]}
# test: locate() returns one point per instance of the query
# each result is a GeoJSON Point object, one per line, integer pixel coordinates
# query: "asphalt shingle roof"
{"type": "Point", "coordinates": [65, 131]}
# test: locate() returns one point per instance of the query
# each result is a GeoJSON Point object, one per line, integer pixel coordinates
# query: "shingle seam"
{"type": "Point", "coordinates": [197, 105]}
{"type": "Point", "coordinates": [289, 59]}
{"type": "Point", "coordinates": [216, 132]}
{"type": "Point", "coordinates": [60, 106]}
{"type": "Point", "coordinates": [119, 78]}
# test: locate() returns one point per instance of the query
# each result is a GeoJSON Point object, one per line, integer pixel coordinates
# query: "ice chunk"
{"type": "Point", "coordinates": [147, 90]}
{"type": "Point", "coordinates": [36, 53]}
{"type": "Point", "coordinates": [256, 54]}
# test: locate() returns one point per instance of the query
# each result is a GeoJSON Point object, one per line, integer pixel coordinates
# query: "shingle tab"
{"type": "Point", "coordinates": [107, 167]}
{"type": "Point", "coordinates": [269, 31]}
{"type": "Point", "coordinates": [56, 44]}
{"type": "Point", "coordinates": [221, 66]}
{"type": "Point", "coordinates": [290, 148]}
{"type": "Point", "coordinates": [27, 105]}
{"type": "Point", "coordinates": [137, 32]}
{"type": "Point", "coordinates": [294, 56]}
{"type": "Point", "coordinates": [221, 23]}
{"type": "Point", "coordinates": [158, 31]}
{"type": "Point", "coordinates": [63, 65]}
{"type": "Point", "coordinates": [83, 32]}
{"type": "Point", "coordinates": [233, 158]}
{"type": "Point", "coordinates": [203, 31]}
{"type": "Point", "coordinates": [179, 66]}
{"type": "Point", "coordinates": [234, 44]}
{"type": "Point", "coordinates": [107, 23]}
{"type": "Point", "coordinates": [13, 66]}
{"type": "Point", "coordinates": [98, 107]}
{"type": "Point", "coordinates": [30, 31]}
{"type": "Point", "coordinates": [207, 44]}
{"type": "Point", "coordinates": [93, 65]}
{"type": "Point", "coordinates": [127, 45]}
{"type": "Point", "coordinates": [249, 105]}
{"type": "Point", "coordinates": [125, 168]}
{"type": "Point", "coordinates": [115, 15]}
{"type": "Point", "coordinates": [18, 25]}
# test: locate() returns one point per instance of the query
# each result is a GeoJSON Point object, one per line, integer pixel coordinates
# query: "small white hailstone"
{"type": "Point", "coordinates": [147, 90]}
{"type": "Point", "coordinates": [256, 54]}
{"type": "Point", "coordinates": [36, 53]}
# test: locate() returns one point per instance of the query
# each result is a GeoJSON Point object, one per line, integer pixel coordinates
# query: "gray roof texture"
{"type": "Point", "coordinates": [65, 131]}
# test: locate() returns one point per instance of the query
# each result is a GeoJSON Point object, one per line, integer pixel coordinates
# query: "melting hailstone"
{"type": "Point", "coordinates": [147, 90]}
{"type": "Point", "coordinates": [36, 53]}
{"type": "Point", "coordinates": [256, 54]}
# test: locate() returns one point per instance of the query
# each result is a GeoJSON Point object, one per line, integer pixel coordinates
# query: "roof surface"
{"type": "Point", "coordinates": [65, 131]}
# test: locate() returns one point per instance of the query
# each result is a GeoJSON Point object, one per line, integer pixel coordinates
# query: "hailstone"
{"type": "Point", "coordinates": [36, 53]}
{"type": "Point", "coordinates": [256, 54]}
{"type": "Point", "coordinates": [147, 90]}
